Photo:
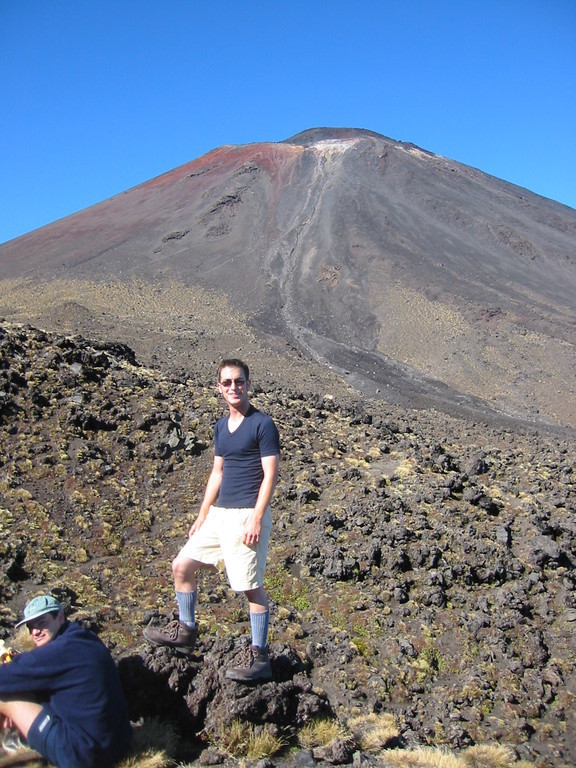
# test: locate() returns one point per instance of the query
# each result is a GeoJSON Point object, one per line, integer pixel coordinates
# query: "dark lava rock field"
{"type": "Point", "coordinates": [422, 564]}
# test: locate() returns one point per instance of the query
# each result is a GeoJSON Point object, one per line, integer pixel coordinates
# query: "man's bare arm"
{"type": "Point", "coordinates": [253, 523]}
{"type": "Point", "coordinates": [210, 494]}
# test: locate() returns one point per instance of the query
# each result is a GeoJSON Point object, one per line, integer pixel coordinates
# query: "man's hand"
{"type": "Point", "coordinates": [252, 529]}
{"type": "Point", "coordinates": [195, 526]}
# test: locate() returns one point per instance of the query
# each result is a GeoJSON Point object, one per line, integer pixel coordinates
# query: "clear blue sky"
{"type": "Point", "coordinates": [97, 96]}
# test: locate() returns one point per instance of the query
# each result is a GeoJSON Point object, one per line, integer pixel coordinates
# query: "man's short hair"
{"type": "Point", "coordinates": [234, 362]}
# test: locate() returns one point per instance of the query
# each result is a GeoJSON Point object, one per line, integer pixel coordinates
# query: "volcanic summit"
{"type": "Point", "coordinates": [413, 277]}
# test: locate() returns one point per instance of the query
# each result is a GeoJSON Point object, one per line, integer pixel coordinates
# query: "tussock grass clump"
{"type": "Point", "coordinates": [491, 756]}
{"type": "Point", "coordinates": [321, 733]}
{"type": "Point", "coordinates": [373, 732]}
{"type": "Point", "coordinates": [240, 739]}
{"type": "Point", "coordinates": [22, 639]}
{"type": "Point", "coordinates": [424, 757]}
{"type": "Point", "coordinates": [149, 759]}
{"type": "Point", "coordinates": [479, 756]}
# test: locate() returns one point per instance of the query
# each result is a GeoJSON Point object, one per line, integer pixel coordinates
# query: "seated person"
{"type": "Point", "coordinates": [65, 696]}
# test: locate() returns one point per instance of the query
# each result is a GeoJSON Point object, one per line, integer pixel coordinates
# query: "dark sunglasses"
{"type": "Point", "coordinates": [228, 382]}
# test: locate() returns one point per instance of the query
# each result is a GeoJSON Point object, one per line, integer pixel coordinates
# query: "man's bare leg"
{"type": "Point", "coordinates": [20, 713]}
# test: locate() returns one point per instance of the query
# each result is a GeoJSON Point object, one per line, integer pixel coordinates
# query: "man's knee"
{"type": "Point", "coordinates": [21, 713]}
{"type": "Point", "coordinates": [257, 595]}
{"type": "Point", "coordinates": [183, 567]}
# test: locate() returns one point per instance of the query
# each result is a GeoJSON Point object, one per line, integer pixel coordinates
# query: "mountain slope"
{"type": "Point", "coordinates": [419, 279]}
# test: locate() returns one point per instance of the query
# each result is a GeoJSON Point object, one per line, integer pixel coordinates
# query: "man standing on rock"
{"type": "Point", "coordinates": [234, 522]}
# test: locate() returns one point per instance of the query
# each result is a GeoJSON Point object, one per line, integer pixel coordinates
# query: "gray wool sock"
{"type": "Point", "coordinates": [259, 625]}
{"type": "Point", "coordinates": [187, 607]}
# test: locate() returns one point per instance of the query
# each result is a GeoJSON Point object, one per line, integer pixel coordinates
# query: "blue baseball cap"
{"type": "Point", "coordinates": [38, 606]}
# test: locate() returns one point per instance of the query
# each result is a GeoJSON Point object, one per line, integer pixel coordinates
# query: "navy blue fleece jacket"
{"type": "Point", "coordinates": [76, 677]}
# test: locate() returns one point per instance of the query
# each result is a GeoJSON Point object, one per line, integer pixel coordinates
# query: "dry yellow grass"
{"type": "Point", "coordinates": [491, 756]}
{"type": "Point", "coordinates": [148, 759]}
{"type": "Point", "coordinates": [241, 739]}
{"type": "Point", "coordinates": [321, 732]}
{"type": "Point", "coordinates": [479, 756]}
{"type": "Point", "coordinates": [373, 732]}
{"type": "Point", "coordinates": [423, 758]}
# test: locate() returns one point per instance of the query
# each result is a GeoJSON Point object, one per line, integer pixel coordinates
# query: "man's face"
{"type": "Point", "coordinates": [233, 386]}
{"type": "Point", "coordinates": [45, 628]}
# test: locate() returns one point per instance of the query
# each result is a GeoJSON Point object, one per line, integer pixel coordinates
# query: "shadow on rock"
{"type": "Point", "coordinates": [194, 693]}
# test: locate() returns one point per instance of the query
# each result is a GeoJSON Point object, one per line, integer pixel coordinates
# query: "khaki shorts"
{"type": "Point", "coordinates": [218, 542]}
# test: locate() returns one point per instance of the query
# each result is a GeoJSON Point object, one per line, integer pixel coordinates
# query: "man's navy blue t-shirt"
{"type": "Point", "coordinates": [242, 451]}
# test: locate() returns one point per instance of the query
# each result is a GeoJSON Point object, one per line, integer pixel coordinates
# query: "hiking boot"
{"type": "Point", "coordinates": [174, 635]}
{"type": "Point", "coordinates": [258, 671]}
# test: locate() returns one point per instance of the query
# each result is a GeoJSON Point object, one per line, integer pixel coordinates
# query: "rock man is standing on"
{"type": "Point", "coordinates": [234, 522]}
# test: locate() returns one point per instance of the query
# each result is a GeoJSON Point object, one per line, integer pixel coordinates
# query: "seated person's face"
{"type": "Point", "coordinates": [45, 628]}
